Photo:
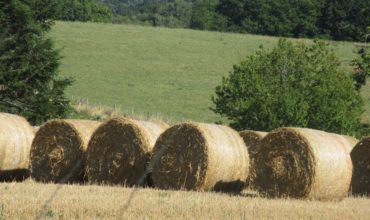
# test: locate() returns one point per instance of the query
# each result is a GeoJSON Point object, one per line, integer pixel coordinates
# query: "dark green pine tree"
{"type": "Point", "coordinates": [29, 79]}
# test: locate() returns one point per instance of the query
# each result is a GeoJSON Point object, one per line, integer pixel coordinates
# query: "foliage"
{"type": "Point", "coordinates": [168, 13]}
{"type": "Point", "coordinates": [292, 85]}
{"type": "Point", "coordinates": [344, 19]}
{"type": "Point", "coordinates": [29, 82]}
{"type": "Point", "coordinates": [335, 19]}
{"type": "Point", "coordinates": [44, 12]}
{"type": "Point", "coordinates": [205, 17]}
{"type": "Point", "coordinates": [83, 10]}
{"type": "Point", "coordinates": [361, 65]}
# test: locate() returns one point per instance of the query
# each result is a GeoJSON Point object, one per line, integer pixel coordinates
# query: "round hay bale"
{"type": "Point", "coordinates": [197, 156]}
{"type": "Point", "coordinates": [15, 142]}
{"type": "Point", "coordinates": [58, 150]}
{"type": "Point", "coordinates": [252, 140]}
{"type": "Point", "coordinates": [304, 163]}
{"type": "Point", "coordinates": [120, 149]}
{"type": "Point", "coordinates": [349, 141]}
{"type": "Point", "coordinates": [35, 129]}
{"type": "Point", "coordinates": [361, 167]}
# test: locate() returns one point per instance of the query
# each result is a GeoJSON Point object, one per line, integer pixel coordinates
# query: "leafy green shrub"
{"type": "Point", "coordinates": [292, 85]}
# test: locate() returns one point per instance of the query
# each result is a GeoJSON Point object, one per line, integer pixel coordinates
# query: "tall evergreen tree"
{"type": "Point", "coordinates": [29, 81]}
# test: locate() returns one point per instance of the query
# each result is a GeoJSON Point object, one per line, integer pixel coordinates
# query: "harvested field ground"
{"type": "Point", "coordinates": [25, 200]}
{"type": "Point", "coordinates": [170, 73]}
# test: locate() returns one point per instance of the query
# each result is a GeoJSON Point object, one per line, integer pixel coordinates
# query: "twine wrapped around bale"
{"type": "Point", "coordinates": [304, 163]}
{"type": "Point", "coordinates": [252, 140]}
{"type": "Point", "coordinates": [361, 167]}
{"type": "Point", "coordinates": [16, 136]}
{"type": "Point", "coordinates": [58, 150]}
{"type": "Point", "coordinates": [197, 156]}
{"type": "Point", "coordinates": [120, 149]}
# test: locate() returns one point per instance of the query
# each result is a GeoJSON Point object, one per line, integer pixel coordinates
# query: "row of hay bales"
{"type": "Point", "coordinates": [287, 162]}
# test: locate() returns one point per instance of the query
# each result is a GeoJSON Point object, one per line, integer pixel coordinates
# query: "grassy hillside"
{"type": "Point", "coordinates": [171, 73]}
{"type": "Point", "coordinates": [27, 200]}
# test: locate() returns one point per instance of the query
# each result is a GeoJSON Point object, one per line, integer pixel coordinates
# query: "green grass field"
{"type": "Point", "coordinates": [169, 73]}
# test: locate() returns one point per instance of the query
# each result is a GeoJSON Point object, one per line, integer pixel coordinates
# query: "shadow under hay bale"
{"type": "Point", "coordinates": [16, 136]}
{"type": "Point", "coordinates": [304, 163]}
{"type": "Point", "coordinates": [120, 149]}
{"type": "Point", "coordinates": [58, 150]}
{"type": "Point", "coordinates": [252, 140]}
{"type": "Point", "coordinates": [361, 167]}
{"type": "Point", "coordinates": [197, 156]}
{"type": "Point", "coordinates": [17, 175]}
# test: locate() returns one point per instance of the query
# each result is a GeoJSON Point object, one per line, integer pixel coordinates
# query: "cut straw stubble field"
{"type": "Point", "coordinates": [101, 202]}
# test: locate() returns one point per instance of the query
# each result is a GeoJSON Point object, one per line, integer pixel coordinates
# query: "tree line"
{"type": "Point", "coordinates": [83, 10]}
{"type": "Point", "coordinates": [330, 19]}
{"type": "Point", "coordinates": [327, 19]}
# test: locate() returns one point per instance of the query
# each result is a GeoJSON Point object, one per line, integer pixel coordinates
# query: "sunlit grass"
{"type": "Point", "coordinates": [158, 71]}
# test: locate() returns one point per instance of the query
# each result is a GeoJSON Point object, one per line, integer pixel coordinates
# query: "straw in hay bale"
{"type": "Point", "coordinates": [304, 163]}
{"type": "Point", "coordinates": [197, 156]}
{"type": "Point", "coordinates": [361, 167]}
{"type": "Point", "coordinates": [120, 149]}
{"type": "Point", "coordinates": [58, 150]}
{"type": "Point", "coordinates": [15, 142]}
{"type": "Point", "coordinates": [35, 129]}
{"type": "Point", "coordinates": [252, 140]}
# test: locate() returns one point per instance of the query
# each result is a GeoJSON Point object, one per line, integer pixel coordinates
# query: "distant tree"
{"type": "Point", "coordinates": [279, 17]}
{"type": "Point", "coordinates": [168, 13]}
{"type": "Point", "coordinates": [83, 10]}
{"type": "Point", "coordinates": [233, 10]}
{"type": "Point", "coordinates": [205, 17]}
{"type": "Point", "coordinates": [29, 79]}
{"type": "Point", "coordinates": [345, 19]}
{"type": "Point", "coordinates": [292, 85]}
{"type": "Point", "coordinates": [334, 19]}
{"type": "Point", "coordinates": [171, 13]}
{"type": "Point", "coordinates": [361, 65]}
